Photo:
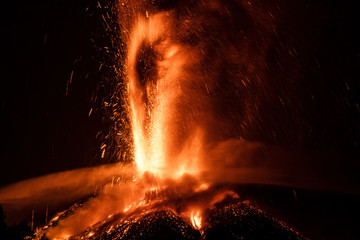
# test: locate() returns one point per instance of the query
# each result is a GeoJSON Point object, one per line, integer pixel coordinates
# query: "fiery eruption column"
{"type": "Point", "coordinates": [156, 71]}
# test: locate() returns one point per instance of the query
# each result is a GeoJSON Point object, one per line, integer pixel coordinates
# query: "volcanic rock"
{"type": "Point", "coordinates": [231, 220]}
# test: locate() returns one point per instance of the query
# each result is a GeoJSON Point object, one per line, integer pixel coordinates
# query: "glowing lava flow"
{"type": "Point", "coordinates": [196, 219]}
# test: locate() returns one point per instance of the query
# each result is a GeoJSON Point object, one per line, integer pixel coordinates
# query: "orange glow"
{"type": "Point", "coordinates": [153, 99]}
{"type": "Point", "coordinates": [220, 197]}
{"type": "Point", "coordinates": [195, 217]}
{"type": "Point", "coordinates": [63, 237]}
{"type": "Point", "coordinates": [202, 187]}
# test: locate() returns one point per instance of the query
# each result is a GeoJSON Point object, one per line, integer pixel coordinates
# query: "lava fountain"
{"type": "Point", "coordinates": [167, 142]}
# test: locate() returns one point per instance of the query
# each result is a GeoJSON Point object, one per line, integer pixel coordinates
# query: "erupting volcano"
{"type": "Point", "coordinates": [180, 134]}
{"type": "Point", "coordinates": [206, 86]}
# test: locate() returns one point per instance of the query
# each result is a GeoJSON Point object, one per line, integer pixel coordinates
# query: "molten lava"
{"type": "Point", "coordinates": [157, 73]}
{"type": "Point", "coordinates": [196, 219]}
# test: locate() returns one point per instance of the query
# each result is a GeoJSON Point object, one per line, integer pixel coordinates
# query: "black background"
{"type": "Point", "coordinates": [45, 125]}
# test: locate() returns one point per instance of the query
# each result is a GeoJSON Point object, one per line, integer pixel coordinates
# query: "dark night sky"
{"type": "Point", "coordinates": [44, 130]}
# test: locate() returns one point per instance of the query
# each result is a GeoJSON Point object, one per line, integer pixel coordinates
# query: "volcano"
{"type": "Point", "coordinates": [203, 97]}
{"type": "Point", "coordinates": [229, 219]}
